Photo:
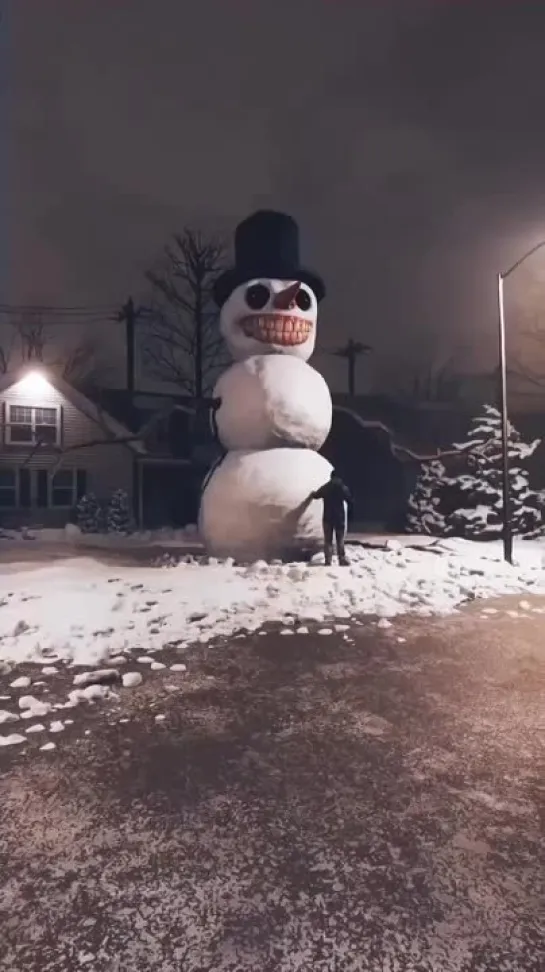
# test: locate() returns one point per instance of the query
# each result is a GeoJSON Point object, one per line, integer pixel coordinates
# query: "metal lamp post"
{"type": "Point", "coordinates": [506, 490]}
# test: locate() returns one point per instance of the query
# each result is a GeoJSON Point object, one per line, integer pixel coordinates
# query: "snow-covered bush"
{"type": "Point", "coordinates": [118, 515]}
{"type": "Point", "coordinates": [424, 507]}
{"type": "Point", "coordinates": [478, 511]}
{"type": "Point", "coordinates": [463, 496]}
{"type": "Point", "coordinates": [89, 514]}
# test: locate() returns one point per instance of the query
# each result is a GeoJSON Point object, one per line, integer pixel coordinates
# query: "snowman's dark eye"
{"type": "Point", "coordinates": [257, 296]}
{"type": "Point", "coordinates": [303, 300]}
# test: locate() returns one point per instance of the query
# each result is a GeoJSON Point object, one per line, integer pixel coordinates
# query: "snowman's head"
{"type": "Point", "coordinates": [265, 316]}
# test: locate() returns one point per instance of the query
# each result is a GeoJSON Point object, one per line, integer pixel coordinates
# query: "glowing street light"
{"type": "Point", "coordinates": [506, 491]}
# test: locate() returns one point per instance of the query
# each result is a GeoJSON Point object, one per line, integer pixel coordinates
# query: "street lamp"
{"type": "Point", "coordinates": [507, 531]}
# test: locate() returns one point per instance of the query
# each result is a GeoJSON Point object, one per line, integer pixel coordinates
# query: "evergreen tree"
{"type": "Point", "coordinates": [424, 506]}
{"type": "Point", "coordinates": [89, 514]}
{"type": "Point", "coordinates": [478, 512]}
{"type": "Point", "coordinates": [119, 515]}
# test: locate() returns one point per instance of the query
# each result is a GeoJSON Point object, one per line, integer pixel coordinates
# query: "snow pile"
{"type": "Point", "coordinates": [80, 611]}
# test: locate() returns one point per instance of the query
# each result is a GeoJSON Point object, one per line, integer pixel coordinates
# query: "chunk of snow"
{"type": "Point", "coordinates": [47, 747]}
{"type": "Point", "coordinates": [6, 716]}
{"type": "Point", "coordinates": [37, 727]}
{"type": "Point", "coordinates": [56, 726]}
{"type": "Point", "coordinates": [33, 707]}
{"type": "Point", "coordinates": [178, 667]}
{"type": "Point", "coordinates": [104, 676]}
{"type": "Point", "coordinates": [92, 692]}
{"type": "Point", "coordinates": [22, 682]}
{"type": "Point", "coordinates": [131, 679]}
{"type": "Point", "coordinates": [156, 666]}
{"type": "Point", "coordinates": [13, 740]}
{"type": "Point", "coordinates": [27, 702]}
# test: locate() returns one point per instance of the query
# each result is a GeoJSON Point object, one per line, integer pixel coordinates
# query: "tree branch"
{"type": "Point", "coordinates": [395, 448]}
{"type": "Point", "coordinates": [183, 344]}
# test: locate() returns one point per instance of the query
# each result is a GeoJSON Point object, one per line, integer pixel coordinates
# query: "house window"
{"type": "Point", "coordinates": [8, 487]}
{"type": "Point", "coordinates": [63, 488]}
{"type": "Point", "coordinates": [67, 487]}
{"type": "Point", "coordinates": [29, 425]}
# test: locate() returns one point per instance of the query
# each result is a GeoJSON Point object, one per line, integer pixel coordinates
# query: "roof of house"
{"type": "Point", "coordinates": [117, 429]}
{"type": "Point", "coordinates": [136, 408]}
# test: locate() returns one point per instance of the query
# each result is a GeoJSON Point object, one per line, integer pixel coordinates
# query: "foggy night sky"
{"type": "Point", "coordinates": [407, 137]}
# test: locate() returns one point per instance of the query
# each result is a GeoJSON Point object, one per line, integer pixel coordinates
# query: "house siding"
{"type": "Point", "coordinates": [107, 467]}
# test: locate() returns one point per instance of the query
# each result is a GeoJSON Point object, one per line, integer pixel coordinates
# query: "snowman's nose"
{"type": "Point", "coordinates": [286, 298]}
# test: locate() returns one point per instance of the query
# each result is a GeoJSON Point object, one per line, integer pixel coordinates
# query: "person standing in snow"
{"type": "Point", "coordinates": [336, 498]}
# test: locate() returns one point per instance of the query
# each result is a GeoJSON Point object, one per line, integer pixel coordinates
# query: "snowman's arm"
{"type": "Point", "coordinates": [397, 449]}
{"type": "Point", "coordinates": [214, 406]}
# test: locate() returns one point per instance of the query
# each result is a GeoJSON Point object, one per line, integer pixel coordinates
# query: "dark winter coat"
{"type": "Point", "coordinates": [334, 495]}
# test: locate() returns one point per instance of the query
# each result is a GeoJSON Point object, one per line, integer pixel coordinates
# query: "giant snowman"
{"type": "Point", "coordinates": [274, 409]}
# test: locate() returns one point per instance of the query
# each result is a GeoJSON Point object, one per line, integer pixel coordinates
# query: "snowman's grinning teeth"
{"type": "Point", "coordinates": [281, 329]}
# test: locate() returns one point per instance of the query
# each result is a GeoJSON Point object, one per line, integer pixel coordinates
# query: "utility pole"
{"type": "Point", "coordinates": [129, 315]}
{"type": "Point", "coordinates": [502, 363]}
{"type": "Point", "coordinates": [351, 351]}
{"type": "Point", "coordinates": [199, 322]}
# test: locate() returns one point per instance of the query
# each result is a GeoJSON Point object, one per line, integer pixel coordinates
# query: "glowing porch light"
{"type": "Point", "coordinates": [34, 383]}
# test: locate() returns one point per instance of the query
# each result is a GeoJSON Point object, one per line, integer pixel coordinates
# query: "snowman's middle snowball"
{"type": "Point", "coordinates": [272, 400]}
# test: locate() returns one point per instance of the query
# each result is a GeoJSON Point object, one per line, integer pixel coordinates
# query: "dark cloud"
{"type": "Point", "coordinates": [406, 136]}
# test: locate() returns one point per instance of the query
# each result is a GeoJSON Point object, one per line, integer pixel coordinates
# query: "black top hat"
{"type": "Point", "coordinates": [266, 245]}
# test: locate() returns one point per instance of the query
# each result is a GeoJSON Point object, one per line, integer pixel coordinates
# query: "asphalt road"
{"type": "Point", "coordinates": [307, 803]}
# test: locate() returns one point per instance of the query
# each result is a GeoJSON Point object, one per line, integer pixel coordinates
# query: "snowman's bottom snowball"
{"type": "Point", "coordinates": [256, 504]}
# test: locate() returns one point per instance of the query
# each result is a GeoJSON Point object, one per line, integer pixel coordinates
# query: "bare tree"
{"type": "Point", "coordinates": [33, 339]}
{"type": "Point", "coordinates": [32, 334]}
{"type": "Point", "coordinates": [429, 380]}
{"type": "Point", "coordinates": [6, 349]}
{"type": "Point", "coordinates": [182, 343]}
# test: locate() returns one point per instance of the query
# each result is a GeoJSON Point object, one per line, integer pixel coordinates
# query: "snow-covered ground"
{"type": "Point", "coordinates": [73, 536]}
{"type": "Point", "coordinates": [81, 611]}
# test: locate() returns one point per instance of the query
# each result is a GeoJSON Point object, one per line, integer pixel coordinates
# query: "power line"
{"type": "Point", "coordinates": [54, 319]}
{"type": "Point", "coordinates": [51, 309]}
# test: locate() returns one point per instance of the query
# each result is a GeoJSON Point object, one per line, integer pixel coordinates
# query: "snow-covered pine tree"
{"type": "Point", "coordinates": [118, 514]}
{"type": "Point", "coordinates": [89, 514]}
{"type": "Point", "coordinates": [424, 506]}
{"type": "Point", "coordinates": [478, 514]}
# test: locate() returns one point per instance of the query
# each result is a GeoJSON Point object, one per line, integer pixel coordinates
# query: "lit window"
{"type": "Point", "coordinates": [32, 426]}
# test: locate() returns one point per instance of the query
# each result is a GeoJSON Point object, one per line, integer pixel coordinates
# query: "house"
{"type": "Point", "coordinates": [43, 473]}
{"type": "Point", "coordinates": [180, 448]}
